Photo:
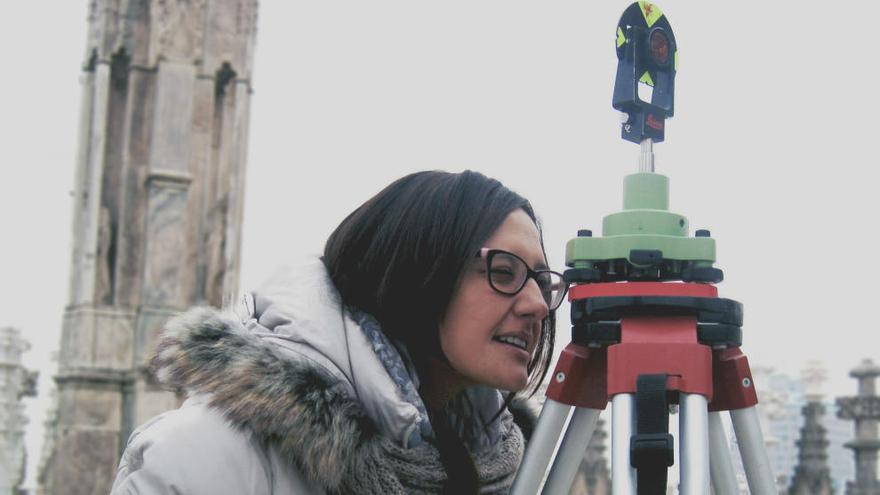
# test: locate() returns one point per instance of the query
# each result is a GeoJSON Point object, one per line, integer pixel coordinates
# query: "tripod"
{"type": "Point", "coordinates": [649, 332]}
{"type": "Point", "coordinates": [668, 341]}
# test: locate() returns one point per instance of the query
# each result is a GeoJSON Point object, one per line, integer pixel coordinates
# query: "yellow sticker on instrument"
{"type": "Point", "coordinates": [621, 38]}
{"type": "Point", "coordinates": [646, 78]}
{"type": "Point", "coordinates": [651, 12]}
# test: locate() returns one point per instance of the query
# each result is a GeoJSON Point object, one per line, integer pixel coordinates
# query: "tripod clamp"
{"type": "Point", "coordinates": [596, 320]}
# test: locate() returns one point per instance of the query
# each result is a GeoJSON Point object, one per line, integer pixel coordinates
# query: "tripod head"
{"type": "Point", "coordinates": [645, 241]}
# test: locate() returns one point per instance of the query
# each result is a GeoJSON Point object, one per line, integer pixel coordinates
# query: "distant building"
{"type": "Point", "coordinates": [811, 473]}
{"type": "Point", "coordinates": [864, 411]}
{"type": "Point", "coordinates": [15, 382]}
{"type": "Point", "coordinates": [781, 399]}
{"type": "Point", "coordinates": [157, 209]}
{"type": "Point", "coordinates": [49, 425]}
{"type": "Point", "coordinates": [593, 477]}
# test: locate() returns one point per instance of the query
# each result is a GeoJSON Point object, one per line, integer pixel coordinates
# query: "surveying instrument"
{"type": "Point", "coordinates": [649, 332]}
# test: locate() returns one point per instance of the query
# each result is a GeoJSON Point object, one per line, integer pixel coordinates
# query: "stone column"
{"type": "Point", "coordinates": [156, 213]}
{"type": "Point", "coordinates": [864, 409]}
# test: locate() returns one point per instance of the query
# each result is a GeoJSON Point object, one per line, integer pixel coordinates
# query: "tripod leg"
{"type": "Point", "coordinates": [694, 444]}
{"type": "Point", "coordinates": [623, 475]}
{"type": "Point", "coordinates": [571, 452]}
{"type": "Point", "coordinates": [754, 455]}
{"type": "Point", "coordinates": [720, 462]}
{"type": "Point", "coordinates": [541, 446]}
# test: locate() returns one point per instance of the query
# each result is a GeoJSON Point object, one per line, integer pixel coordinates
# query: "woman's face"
{"type": "Point", "coordinates": [478, 316]}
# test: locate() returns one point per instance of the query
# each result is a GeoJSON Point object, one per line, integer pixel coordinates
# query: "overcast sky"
{"type": "Point", "coordinates": [773, 146]}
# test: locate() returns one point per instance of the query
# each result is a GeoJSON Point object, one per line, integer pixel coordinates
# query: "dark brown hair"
{"type": "Point", "coordinates": [400, 256]}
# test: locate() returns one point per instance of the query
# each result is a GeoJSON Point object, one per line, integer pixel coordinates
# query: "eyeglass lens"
{"type": "Point", "coordinates": [508, 274]}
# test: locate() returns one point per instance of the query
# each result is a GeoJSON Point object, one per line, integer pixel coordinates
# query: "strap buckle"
{"type": "Point", "coordinates": [651, 450]}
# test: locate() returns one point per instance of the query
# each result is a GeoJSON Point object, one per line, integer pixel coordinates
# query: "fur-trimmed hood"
{"type": "Point", "coordinates": [309, 378]}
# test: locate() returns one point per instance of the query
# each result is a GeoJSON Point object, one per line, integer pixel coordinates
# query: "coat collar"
{"type": "Point", "coordinates": [297, 319]}
{"type": "Point", "coordinates": [305, 412]}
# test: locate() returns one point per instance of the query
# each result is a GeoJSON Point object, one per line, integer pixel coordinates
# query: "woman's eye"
{"type": "Point", "coordinates": [502, 273]}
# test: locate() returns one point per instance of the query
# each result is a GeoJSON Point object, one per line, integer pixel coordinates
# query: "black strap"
{"type": "Point", "coordinates": [651, 449]}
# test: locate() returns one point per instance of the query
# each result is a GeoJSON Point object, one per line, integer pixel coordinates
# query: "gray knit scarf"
{"type": "Point", "coordinates": [307, 415]}
{"type": "Point", "coordinates": [419, 470]}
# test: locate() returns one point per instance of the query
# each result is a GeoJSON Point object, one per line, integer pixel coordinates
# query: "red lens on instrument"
{"type": "Point", "coordinates": [658, 46]}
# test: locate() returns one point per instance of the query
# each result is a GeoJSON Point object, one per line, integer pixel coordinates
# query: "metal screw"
{"type": "Point", "coordinates": [560, 377]}
{"type": "Point", "coordinates": [747, 382]}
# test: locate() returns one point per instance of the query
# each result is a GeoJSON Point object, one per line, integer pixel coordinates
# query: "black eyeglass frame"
{"type": "Point", "coordinates": [489, 253]}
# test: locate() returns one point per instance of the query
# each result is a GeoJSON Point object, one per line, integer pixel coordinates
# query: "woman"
{"type": "Point", "coordinates": [377, 368]}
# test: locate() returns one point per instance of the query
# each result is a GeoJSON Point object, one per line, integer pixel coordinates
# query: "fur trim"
{"type": "Point", "coordinates": [304, 412]}
{"type": "Point", "coordinates": [313, 421]}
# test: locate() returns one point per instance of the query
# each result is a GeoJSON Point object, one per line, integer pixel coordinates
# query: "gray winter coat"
{"type": "Point", "coordinates": [295, 395]}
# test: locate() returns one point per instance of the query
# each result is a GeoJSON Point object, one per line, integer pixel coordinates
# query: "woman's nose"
{"type": "Point", "coordinates": [531, 302]}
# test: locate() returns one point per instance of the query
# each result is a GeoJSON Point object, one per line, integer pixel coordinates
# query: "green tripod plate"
{"type": "Point", "coordinates": [645, 240]}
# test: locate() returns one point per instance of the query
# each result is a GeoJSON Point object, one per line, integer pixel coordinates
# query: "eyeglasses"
{"type": "Point", "coordinates": [508, 274]}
